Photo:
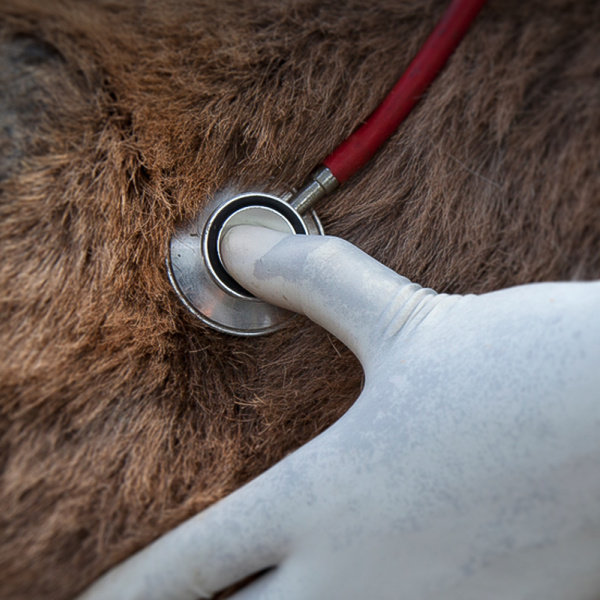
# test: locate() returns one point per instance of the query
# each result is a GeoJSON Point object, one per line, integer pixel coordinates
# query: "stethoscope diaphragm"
{"type": "Point", "coordinates": [199, 277]}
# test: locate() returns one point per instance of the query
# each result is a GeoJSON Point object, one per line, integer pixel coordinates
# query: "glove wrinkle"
{"type": "Point", "coordinates": [406, 310]}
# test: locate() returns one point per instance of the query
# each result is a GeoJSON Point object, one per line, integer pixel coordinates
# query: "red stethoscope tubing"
{"type": "Point", "coordinates": [359, 148]}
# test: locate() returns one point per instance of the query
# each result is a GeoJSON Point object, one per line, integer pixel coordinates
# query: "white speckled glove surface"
{"type": "Point", "coordinates": [468, 469]}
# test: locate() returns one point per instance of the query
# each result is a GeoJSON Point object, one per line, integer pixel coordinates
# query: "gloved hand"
{"type": "Point", "coordinates": [469, 468]}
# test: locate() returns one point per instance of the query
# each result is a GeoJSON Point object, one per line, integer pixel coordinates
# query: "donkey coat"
{"type": "Point", "coordinates": [120, 413]}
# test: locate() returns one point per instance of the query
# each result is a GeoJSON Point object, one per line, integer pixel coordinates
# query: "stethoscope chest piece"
{"type": "Point", "coordinates": [194, 262]}
{"type": "Point", "coordinates": [201, 281]}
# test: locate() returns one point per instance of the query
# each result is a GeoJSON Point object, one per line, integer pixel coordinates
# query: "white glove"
{"type": "Point", "coordinates": [469, 468]}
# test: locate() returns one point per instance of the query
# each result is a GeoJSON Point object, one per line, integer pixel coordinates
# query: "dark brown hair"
{"type": "Point", "coordinates": [120, 413]}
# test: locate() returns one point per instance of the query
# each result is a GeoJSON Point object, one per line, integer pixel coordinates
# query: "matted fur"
{"type": "Point", "coordinates": [120, 414]}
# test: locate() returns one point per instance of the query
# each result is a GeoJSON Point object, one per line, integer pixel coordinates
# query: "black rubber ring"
{"type": "Point", "coordinates": [285, 210]}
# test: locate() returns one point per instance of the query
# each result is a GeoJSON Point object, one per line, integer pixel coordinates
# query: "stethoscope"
{"type": "Point", "coordinates": [194, 262]}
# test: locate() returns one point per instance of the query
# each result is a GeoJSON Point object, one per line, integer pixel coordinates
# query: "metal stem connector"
{"type": "Point", "coordinates": [322, 182]}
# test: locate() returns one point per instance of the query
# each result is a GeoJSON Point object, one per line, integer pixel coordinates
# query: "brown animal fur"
{"type": "Point", "coordinates": [120, 414]}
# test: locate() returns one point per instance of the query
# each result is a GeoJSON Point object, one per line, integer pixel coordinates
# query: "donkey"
{"type": "Point", "coordinates": [121, 414]}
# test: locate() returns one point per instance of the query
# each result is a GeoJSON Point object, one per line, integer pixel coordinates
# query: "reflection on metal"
{"type": "Point", "coordinates": [202, 282]}
{"type": "Point", "coordinates": [322, 182]}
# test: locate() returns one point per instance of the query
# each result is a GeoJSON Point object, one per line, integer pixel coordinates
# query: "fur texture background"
{"type": "Point", "coordinates": [120, 414]}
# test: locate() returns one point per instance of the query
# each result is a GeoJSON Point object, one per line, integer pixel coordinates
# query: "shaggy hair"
{"type": "Point", "coordinates": [121, 414]}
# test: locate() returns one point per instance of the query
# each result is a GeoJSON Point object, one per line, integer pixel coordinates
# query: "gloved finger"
{"type": "Point", "coordinates": [329, 280]}
{"type": "Point", "coordinates": [242, 534]}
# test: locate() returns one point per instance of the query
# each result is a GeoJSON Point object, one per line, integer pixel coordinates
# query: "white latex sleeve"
{"type": "Point", "coordinates": [468, 468]}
